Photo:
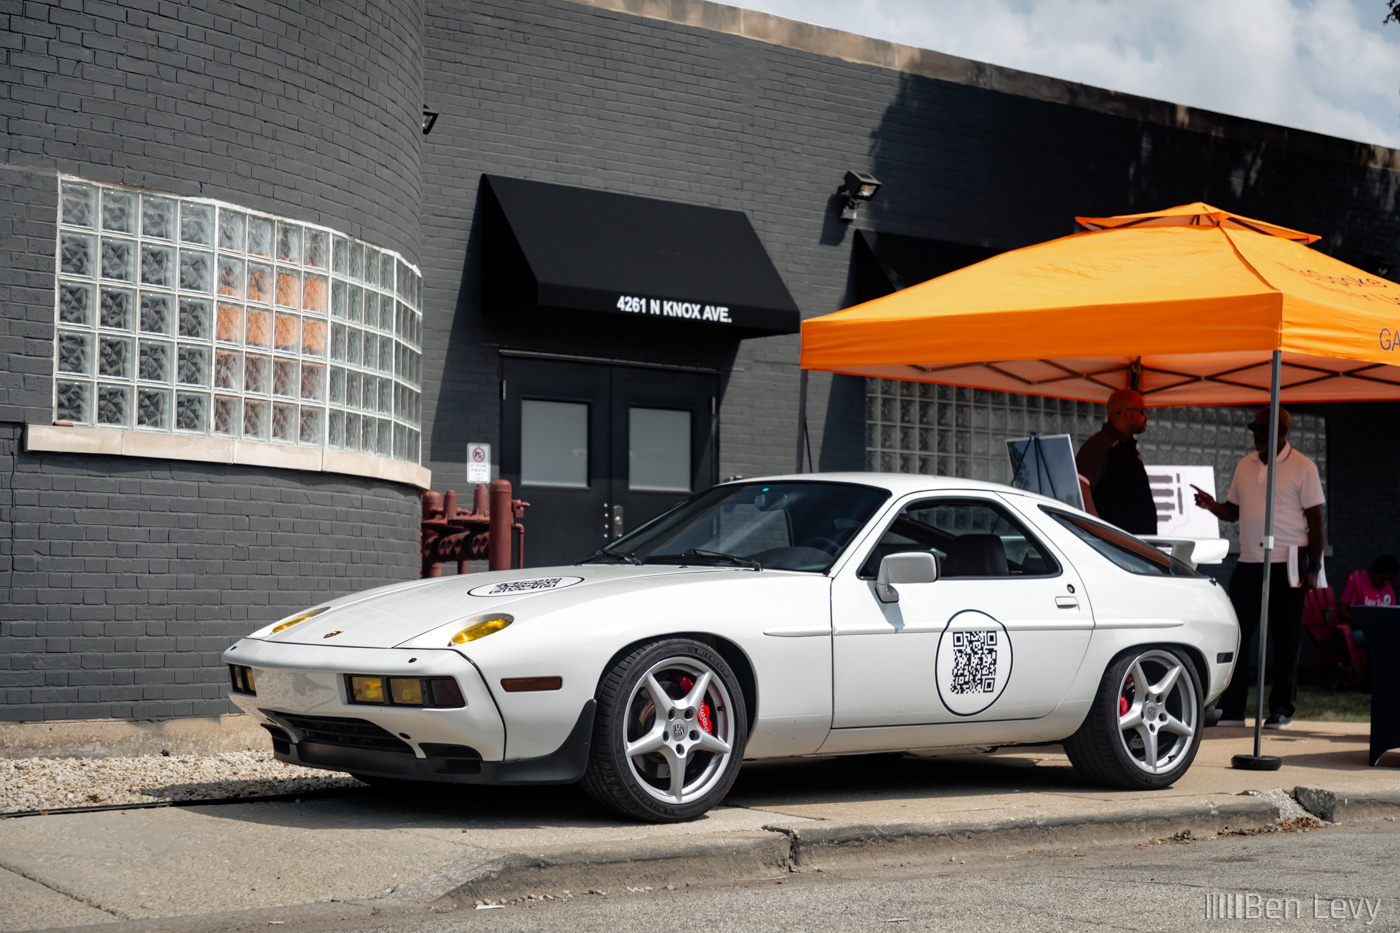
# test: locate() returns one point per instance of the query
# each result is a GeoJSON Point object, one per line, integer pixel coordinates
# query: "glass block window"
{"type": "Point", "coordinates": [919, 427]}
{"type": "Point", "coordinates": [188, 316]}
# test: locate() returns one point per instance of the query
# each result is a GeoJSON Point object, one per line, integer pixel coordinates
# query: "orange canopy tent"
{"type": "Point", "coordinates": [1187, 305]}
{"type": "Point", "coordinates": [1191, 305]}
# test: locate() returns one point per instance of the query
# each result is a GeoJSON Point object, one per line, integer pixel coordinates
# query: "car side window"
{"type": "Point", "coordinates": [1122, 548]}
{"type": "Point", "coordinates": [971, 538]}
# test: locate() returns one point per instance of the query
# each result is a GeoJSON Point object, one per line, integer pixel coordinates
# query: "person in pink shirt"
{"type": "Point", "coordinates": [1369, 588]}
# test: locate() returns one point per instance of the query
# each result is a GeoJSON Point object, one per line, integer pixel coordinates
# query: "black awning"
{"type": "Point", "coordinates": [576, 249]}
{"type": "Point", "coordinates": [888, 262]}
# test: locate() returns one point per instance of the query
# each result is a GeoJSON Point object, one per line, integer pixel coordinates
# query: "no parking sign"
{"type": "Point", "coordinates": [478, 463]}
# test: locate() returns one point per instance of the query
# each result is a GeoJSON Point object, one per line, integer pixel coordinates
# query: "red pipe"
{"type": "Point", "coordinates": [483, 533]}
{"type": "Point", "coordinates": [499, 541]}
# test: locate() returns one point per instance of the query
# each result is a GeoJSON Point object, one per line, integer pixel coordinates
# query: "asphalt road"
{"type": "Point", "coordinates": [1333, 878]}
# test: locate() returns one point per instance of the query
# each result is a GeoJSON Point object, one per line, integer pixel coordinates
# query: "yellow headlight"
{"type": "Point", "coordinates": [406, 691]}
{"type": "Point", "coordinates": [299, 617]}
{"type": "Point", "coordinates": [481, 629]}
{"type": "Point", "coordinates": [367, 689]}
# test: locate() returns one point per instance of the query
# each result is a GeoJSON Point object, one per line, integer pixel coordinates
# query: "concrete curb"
{"type": "Point", "coordinates": [1336, 808]}
{"type": "Point", "coordinates": [783, 848]}
{"type": "Point", "coordinates": [507, 875]}
{"type": "Point", "coordinates": [822, 845]}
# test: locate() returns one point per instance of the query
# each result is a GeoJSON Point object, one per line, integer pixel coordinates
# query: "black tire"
{"type": "Point", "coordinates": [1137, 739]}
{"type": "Point", "coordinates": [643, 785]}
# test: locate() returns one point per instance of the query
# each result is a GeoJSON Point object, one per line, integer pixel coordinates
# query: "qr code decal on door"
{"type": "Point", "coordinates": [974, 662]}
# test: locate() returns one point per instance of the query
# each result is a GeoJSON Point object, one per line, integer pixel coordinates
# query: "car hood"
{"type": "Point", "coordinates": [391, 616]}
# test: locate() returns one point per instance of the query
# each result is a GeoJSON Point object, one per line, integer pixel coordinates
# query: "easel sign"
{"type": "Point", "coordinates": [1045, 465]}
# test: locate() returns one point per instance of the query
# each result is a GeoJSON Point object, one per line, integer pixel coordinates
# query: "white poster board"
{"type": "Point", "coordinates": [1177, 514]}
{"type": "Point", "coordinates": [1045, 465]}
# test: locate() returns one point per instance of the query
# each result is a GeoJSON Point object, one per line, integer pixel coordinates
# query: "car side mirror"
{"type": "Point", "coordinates": [908, 567]}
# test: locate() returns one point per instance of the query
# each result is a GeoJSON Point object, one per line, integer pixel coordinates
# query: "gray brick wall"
{"type": "Point", "coordinates": [122, 579]}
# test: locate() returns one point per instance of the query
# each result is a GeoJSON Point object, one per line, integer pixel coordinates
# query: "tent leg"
{"type": "Point", "coordinates": [801, 421]}
{"type": "Point", "coordinates": [1258, 762]}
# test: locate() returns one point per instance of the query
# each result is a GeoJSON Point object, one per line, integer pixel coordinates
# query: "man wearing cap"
{"type": "Point", "coordinates": [1298, 503]}
{"type": "Point", "coordinates": [1111, 464]}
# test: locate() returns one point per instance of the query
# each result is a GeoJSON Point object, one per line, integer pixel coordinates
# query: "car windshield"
{"type": "Point", "coordinates": [782, 526]}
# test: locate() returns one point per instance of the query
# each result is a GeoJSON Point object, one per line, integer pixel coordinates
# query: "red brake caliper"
{"type": "Point", "coordinates": [686, 684]}
{"type": "Point", "coordinates": [1123, 702]}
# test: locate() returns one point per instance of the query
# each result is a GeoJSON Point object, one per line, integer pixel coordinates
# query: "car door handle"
{"type": "Point", "coordinates": [1066, 602]}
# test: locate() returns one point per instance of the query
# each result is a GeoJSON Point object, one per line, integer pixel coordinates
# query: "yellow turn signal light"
{"type": "Point", "coordinates": [299, 617]}
{"type": "Point", "coordinates": [481, 628]}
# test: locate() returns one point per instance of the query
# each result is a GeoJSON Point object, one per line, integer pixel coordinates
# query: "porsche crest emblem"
{"type": "Point", "coordinates": [332, 634]}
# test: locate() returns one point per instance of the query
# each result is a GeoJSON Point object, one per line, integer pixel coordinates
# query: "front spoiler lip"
{"type": "Point", "coordinates": [565, 765]}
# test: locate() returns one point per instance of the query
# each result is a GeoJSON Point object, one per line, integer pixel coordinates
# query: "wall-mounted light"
{"type": "Point", "coordinates": [429, 118]}
{"type": "Point", "coordinates": [859, 187]}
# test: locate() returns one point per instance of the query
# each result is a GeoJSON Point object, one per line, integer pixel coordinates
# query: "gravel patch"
{"type": "Point", "coordinates": [54, 783]}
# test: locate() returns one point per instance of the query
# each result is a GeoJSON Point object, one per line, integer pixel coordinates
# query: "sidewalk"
{"type": "Point", "coordinates": [348, 855]}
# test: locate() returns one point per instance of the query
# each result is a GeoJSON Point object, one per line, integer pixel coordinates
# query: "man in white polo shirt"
{"type": "Point", "coordinates": [1298, 503]}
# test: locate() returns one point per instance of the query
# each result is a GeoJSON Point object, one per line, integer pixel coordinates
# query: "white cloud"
{"type": "Point", "coordinates": [1323, 65]}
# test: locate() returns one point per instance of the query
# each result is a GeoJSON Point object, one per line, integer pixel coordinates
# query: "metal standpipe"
{"type": "Point", "coordinates": [484, 533]}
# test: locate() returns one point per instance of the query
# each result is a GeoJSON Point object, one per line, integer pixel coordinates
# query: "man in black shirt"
{"type": "Point", "coordinates": [1111, 464]}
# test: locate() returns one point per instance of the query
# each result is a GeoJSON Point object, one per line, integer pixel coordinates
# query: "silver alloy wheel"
{"type": "Point", "coordinates": [669, 751]}
{"type": "Point", "coordinates": [1161, 720]}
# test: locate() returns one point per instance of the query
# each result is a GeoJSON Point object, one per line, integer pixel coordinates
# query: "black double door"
{"type": "Point", "coordinates": [599, 449]}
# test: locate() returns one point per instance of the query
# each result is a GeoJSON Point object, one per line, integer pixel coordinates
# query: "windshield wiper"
{"type": "Point", "coordinates": [713, 556]}
{"type": "Point", "coordinates": [606, 551]}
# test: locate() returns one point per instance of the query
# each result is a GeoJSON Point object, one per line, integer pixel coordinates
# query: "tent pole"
{"type": "Point", "coordinates": [801, 421]}
{"type": "Point", "coordinates": [1258, 762]}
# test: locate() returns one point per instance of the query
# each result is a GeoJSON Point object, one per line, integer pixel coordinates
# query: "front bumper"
{"type": "Point", "coordinates": [336, 746]}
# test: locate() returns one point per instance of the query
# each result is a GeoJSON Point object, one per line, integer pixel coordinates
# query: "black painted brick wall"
{"type": "Point", "coordinates": [28, 212]}
{"type": "Point", "coordinates": [1363, 511]}
{"type": "Point", "coordinates": [556, 91]}
{"type": "Point", "coordinates": [124, 578]}
{"type": "Point", "coordinates": [300, 108]}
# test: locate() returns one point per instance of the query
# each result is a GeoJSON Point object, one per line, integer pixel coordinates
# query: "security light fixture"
{"type": "Point", "coordinates": [429, 118]}
{"type": "Point", "coordinates": [858, 187]}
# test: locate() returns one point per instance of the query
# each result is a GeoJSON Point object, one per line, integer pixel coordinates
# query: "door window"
{"type": "Point", "coordinates": [971, 537]}
{"type": "Point", "coordinates": [658, 450]}
{"type": "Point", "coordinates": [554, 443]}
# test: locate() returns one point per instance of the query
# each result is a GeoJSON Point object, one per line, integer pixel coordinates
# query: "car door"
{"type": "Point", "coordinates": [998, 636]}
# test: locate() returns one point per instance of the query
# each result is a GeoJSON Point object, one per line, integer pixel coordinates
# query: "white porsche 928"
{"type": "Point", "coordinates": [817, 614]}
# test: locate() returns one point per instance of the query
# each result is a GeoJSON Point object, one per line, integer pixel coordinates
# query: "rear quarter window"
{"type": "Point", "coordinates": [1121, 548]}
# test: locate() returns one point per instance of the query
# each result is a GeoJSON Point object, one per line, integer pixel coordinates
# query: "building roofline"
{"type": "Point", "coordinates": [863, 50]}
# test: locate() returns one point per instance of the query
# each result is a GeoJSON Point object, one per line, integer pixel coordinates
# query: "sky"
{"type": "Point", "coordinates": [1329, 66]}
